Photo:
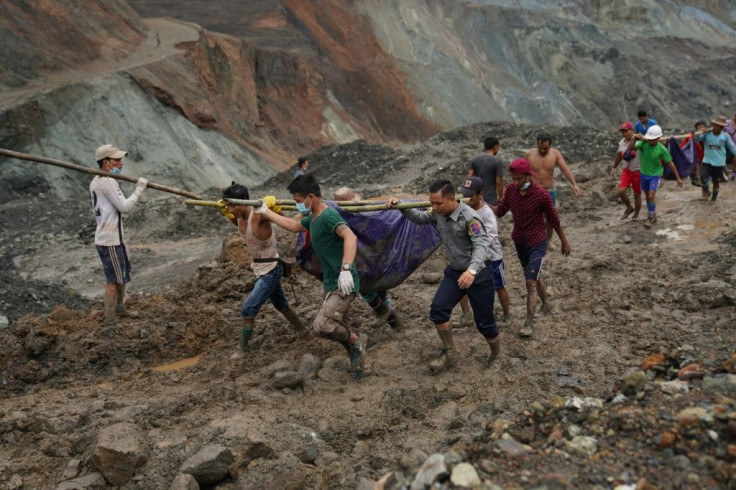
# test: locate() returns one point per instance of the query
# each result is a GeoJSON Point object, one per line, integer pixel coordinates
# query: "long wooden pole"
{"type": "Point", "coordinates": [377, 206]}
{"type": "Point", "coordinates": [79, 168]}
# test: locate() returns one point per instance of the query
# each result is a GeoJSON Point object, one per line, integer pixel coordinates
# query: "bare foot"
{"type": "Point", "coordinates": [627, 213]}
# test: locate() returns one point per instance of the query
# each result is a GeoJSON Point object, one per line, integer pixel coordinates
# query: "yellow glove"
{"type": "Point", "coordinates": [223, 209]}
{"type": "Point", "coordinates": [271, 203]}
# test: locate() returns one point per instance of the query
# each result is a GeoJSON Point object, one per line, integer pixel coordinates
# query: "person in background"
{"type": "Point", "coordinates": [715, 144]}
{"type": "Point", "coordinates": [652, 154]}
{"type": "Point", "coordinates": [108, 203]}
{"type": "Point", "coordinates": [644, 123]}
{"type": "Point", "coordinates": [730, 129]}
{"type": "Point", "coordinates": [489, 168]}
{"type": "Point", "coordinates": [302, 166]}
{"type": "Point", "coordinates": [630, 176]}
{"type": "Point", "coordinates": [699, 128]}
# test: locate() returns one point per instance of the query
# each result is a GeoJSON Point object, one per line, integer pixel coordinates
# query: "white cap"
{"type": "Point", "coordinates": [653, 133]}
{"type": "Point", "coordinates": [109, 151]}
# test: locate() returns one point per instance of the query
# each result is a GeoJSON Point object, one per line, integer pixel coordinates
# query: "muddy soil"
{"type": "Point", "coordinates": [291, 413]}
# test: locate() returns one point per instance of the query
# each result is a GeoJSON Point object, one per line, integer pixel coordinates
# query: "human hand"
{"type": "Point", "coordinates": [679, 182]}
{"type": "Point", "coordinates": [141, 184]}
{"type": "Point", "coordinates": [566, 248]}
{"type": "Point", "coordinates": [392, 201]}
{"type": "Point", "coordinates": [271, 203]}
{"type": "Point", "coordinates": [577, 191]}
{"type": "Point", "coordinates": [223, 209]}
{"type": "Point", "coordinates": [262, 208]}
{"type": "Point", "coordinates": [345, 282]}
{"type": "Point", "coordinates": [465, 280]}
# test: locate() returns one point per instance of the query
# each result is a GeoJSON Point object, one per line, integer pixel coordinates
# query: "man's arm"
{"type": "Point", "coordinates": [413, 215]}
{"type": "Point", "coordinates": [567, 173]}
{"type": "Point", "coordinates": [501, 209]}
{"type": "Point", "coordinates": [617, 160]}
{"type": "Point", "coordinates": [112, 192]}
{"type": "Point", "coordinates": [674, 171]}
{"type": "Point", "coordinates": [499, 186]}
{"type": "Point", "coordinates": [566, 248]}
{"type": "Point", "coordinates": [288, 224]}
{"type": "Point", "coordinates": [349, 243]}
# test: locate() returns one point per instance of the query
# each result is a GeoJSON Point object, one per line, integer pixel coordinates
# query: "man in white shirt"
{"type": "Point", "coordinates": [108, 203]}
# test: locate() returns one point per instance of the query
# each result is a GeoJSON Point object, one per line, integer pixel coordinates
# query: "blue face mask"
{"type": "Point", "coordinates": [302, 208]}
{"type": "Point", "coordinates": [526, 186]}
{"type": "Point", "coordinates": [115, 170]}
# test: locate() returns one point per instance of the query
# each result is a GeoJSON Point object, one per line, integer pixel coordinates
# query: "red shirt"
{"type": "Point", "coordinates": [529, 211]}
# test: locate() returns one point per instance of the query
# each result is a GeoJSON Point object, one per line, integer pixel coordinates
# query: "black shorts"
{"type": "Point", "coordinates": [716, 173]}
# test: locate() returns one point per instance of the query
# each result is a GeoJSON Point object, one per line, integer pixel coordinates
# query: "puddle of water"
{"type": "Point", "coordinates": [671, 234]}
{"type": "Point", "coordinates": [184, 363]}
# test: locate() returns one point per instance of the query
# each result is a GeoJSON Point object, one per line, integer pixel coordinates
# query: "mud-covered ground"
{"type": "Point", "coordinates": [290, 415]}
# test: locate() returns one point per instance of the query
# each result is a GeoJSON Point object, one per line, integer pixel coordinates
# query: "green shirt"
{"type": "Point", "coordinates": [651, 158]}
{"type": "Point", "coordinates": [328, 247]}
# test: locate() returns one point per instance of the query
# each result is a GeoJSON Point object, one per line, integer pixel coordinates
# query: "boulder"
{"type": "Point", "coordinates": [464, 475]}
{"type": "Point", "coordinates": [120, 450]}
{"type": "Point", "coordinates": [93, 481]}
{"type": "Point", "coordinates": [511, 447]}
{"type": "Point", "coordinates": [184, 481]}
{"type": "Point", "coordinates": [431, 470]}
{"type": "Point", "coordinates": [209, 465]}
{"type": "Point", "coordinates": [287, 379]}
{"type": "Point", "coordinates": [585, 446]}
{"type": "Point", "coordinates": [309, 366]}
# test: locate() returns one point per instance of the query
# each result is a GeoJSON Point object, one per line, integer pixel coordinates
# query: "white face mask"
{"type": "Point", "coordinates": [526, 186]}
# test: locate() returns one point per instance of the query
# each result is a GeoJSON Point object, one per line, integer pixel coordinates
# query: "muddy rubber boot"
{"type": "Point", "coordinates": [383, 313]}
{"type": "Point", "coordinates": [120, 309]}
{"type": "Point", "coordinates": [495, 345]}
{"type": "Point", "coordinates": [110, 318]}
{"type": "Point", "coordinates": [393, 320]}
{"type": "Point", "coordinates": [356, 350]}
{"type": "Point", "coordinates": [300, 330]}
{"type": "Point", "coordinates": [527, 330]}
{"type": "Point", "coordinates": [448, 358]}
{"type": "Point", "coordinates": [245, 335]}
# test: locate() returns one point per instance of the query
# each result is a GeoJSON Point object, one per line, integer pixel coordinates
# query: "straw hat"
{"type": "Point", "coordinates": [720, 121]}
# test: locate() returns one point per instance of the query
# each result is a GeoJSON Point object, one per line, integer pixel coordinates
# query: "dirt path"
{"type": "Point", "coordinates": [164, 34]}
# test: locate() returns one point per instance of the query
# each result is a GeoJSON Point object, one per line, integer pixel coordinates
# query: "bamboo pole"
{"type": "Point", "coordinates": [381, 206]}
{"type": "Point", "coordinates": [80, 168]}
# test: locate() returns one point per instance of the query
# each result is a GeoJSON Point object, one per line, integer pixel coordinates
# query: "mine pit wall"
{"type": "Point", "coordinates": [566, 63]}
{"type": "Point", "coordinates": [69, 123]}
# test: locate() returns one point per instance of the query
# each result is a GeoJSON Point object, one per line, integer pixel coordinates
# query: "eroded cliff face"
{"type": "Point", "coordinates": [568, 62]}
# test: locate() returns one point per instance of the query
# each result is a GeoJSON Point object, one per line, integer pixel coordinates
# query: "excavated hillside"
{"type": "Point", "coordinates": [627, 383]}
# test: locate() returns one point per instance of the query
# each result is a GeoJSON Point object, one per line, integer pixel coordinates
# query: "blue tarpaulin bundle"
{"type": "Point", "coordinates": [684, 158]}
{"type": "Point", "coordinates": [390, 247]}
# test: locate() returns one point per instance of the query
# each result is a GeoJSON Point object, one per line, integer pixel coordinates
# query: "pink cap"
{"type": "Point", "coordinates": [626, 126]}
{"type": "Point", "coordinates": [522, 166]}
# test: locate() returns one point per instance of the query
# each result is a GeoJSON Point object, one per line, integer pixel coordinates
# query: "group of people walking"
{"type": "Point", "coordinates": [475, 272]}
{"type": "Point", "coordinates": [643, 161]}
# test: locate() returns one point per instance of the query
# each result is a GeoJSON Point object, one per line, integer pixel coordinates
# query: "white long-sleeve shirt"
{"type": "Point", "coordinates": [108, 203]}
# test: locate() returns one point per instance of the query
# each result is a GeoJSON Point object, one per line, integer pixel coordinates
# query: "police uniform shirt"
{"type": "Point", "coordinates": [466, 242]}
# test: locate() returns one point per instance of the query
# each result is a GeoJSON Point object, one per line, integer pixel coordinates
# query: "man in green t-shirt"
{"type": "Point", "coordinates": [652, 154]}
{"type": "Point", "coordinates": [334, 245]}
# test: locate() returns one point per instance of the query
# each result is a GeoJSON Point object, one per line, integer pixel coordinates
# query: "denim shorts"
{"type": "Point", "coordinates": [267, 287]}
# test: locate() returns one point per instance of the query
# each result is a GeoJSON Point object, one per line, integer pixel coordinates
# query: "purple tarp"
{"type": "Point", "coordinates": [684, 159]}
{"type": "Point", "coordinates": [390, 247]}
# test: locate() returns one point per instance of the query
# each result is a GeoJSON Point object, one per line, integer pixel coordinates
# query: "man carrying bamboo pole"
{"type": "Point", "coordinates": [260, 240]}
{"type": "Point", "coordinates": [108, 203]}
{"type": "Point", "coordinates": [335, 246]}
{"type": "Point", "coordinates": [468, 273]}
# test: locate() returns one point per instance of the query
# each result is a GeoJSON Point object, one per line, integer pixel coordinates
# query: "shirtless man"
{"type": "Point", "coordinates": [544, 158]}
